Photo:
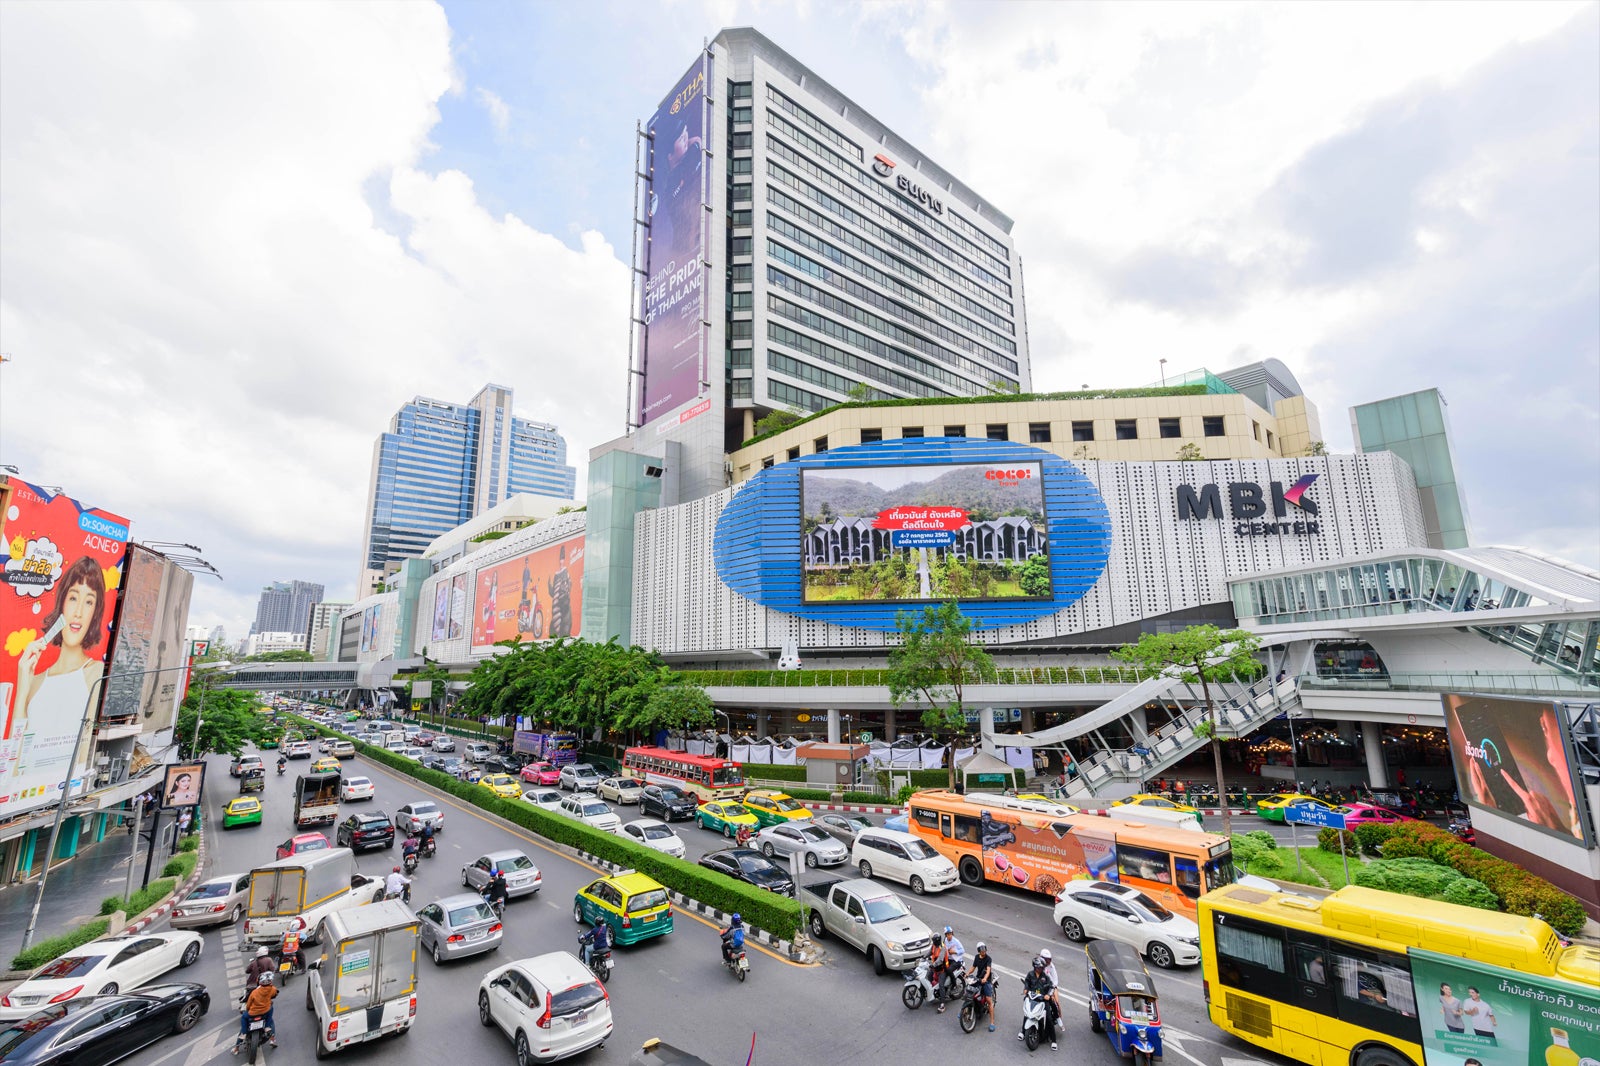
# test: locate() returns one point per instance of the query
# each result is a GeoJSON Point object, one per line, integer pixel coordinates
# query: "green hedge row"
{"type": "Point", "coordinates": [1517, 890]}
{"type": "Point", "coordinates": [145, 898]}
{"type": "Point", "coordinates": [56, 946]}
{"type": "Point", "coordinates": [765, 910]}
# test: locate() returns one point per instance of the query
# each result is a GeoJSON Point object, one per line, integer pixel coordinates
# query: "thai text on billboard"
{"type": "Point", "coordinates": [63, 569]}
{"type": "Point", "coordinates": [537, 596]}
{"type": "Point", "coordinates": [1514, 756]}
{"type": "Point", "coordinates": [924, 532]}
{"type": "Point", "coordinates": [148, 649]}
{"type": "Point", "coordinates": [674, 289]}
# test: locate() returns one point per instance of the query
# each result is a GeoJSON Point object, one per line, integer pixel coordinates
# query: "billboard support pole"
{"type": "Point", "coordinates": [150, 852]}
{"type": "Point", "coordinates": [133, 852]}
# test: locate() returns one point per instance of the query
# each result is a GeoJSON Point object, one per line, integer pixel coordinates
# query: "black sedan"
{"type": "Point", "coordinates": [749, 866]}
{"type": "Point", "coordinates": [93, 1030]}
{"type": "Point", "coordinates": [667, 803]}
{"type": "Point", "coordinates": [372, 829]}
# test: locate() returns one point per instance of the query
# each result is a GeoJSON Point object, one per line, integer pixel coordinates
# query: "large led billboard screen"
{"type": "Point", "coordinates": [537, 596]}
{"type": "Point", "coordinates": [674, 287]}
{"type": "Point", "coordinates": [63, 569]}
{"type": "Point", "coordinates": [1515, 757]}
{"type": "Point", "coordinates": [148, 648]}
{"type": "Point", "coordinates": [963, 531]}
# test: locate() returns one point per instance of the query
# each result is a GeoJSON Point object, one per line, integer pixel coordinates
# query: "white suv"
{"type": "Point", "coordinates": [1109, 911]}
{"type": "Point", "coordinates": [588, 808]}
{"type": "Point", "coordinates": [550, 1006]}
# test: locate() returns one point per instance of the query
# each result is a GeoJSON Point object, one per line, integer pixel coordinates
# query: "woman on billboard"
{"type": "Point", "coordinates": [58, 696]}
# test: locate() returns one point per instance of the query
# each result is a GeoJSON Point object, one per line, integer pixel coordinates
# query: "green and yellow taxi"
{"type": "Point", "coordinates": [775, 808]}
{"type": "Point", "coordinates": [1272, 807]}
{"type": "Point", "coordinates": [326, 765]}
{"type": "Point", "coordinates": [1150, 799]}
{"type": "Point", "coordinates": [725, 817]}
{"type": "Point", "coordinates": [636, 907]}
{"type": "Point", "coordinates": [503, 785]}
{"type": "Point", "coordinates": [245, 810]}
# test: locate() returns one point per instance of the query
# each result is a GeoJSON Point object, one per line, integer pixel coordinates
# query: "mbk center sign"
{"type": "Point", "coordinates": [1248, 505]}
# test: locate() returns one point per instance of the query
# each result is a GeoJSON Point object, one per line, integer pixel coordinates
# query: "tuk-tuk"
{"type": "Point", "coordinates": [253, 780]}
{"type": "Point", "coordinates": [1122, 1001]}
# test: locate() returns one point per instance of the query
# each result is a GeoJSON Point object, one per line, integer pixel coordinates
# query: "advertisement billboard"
{"type": "Point", "coordinates": [1473, 1012]}
{"type": "Point", "coordinates": [674, 287]}
{"type": "Point", "coordinates": [369, 628]}
{"type": "Point", "coordinates": [458, 606]}
{"type": "Point", "coordinates": [63, 569]}
{"type": "Point", "coordinates": [182, 785]}
{"type": "Point", "coordinates": [537, 596]}
{"type": "Point", "coordinates": [441, 610]}
{"type": "Point", "coordinates": [1514, 757]}
{"type": "Point", "coordinates": [965, 531]}
{"type": "Point", "coordinates": [147, 647]}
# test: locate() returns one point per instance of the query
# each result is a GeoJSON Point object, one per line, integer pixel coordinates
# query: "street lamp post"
{"type": "Point", "coordinates": [66, 785]}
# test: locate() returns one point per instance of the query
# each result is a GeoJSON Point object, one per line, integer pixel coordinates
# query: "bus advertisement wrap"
{"type": "Point", "coordinates": [966, 531]}
{"type": "Point", "coordinates": [537, 596]}
{"type": "Point", "coordinates": [1514, 756]}
{"type": "Point", "coordinates": [1495, 1018]}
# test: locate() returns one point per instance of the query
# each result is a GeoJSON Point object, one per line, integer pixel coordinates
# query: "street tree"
{"type": "Point", "coordinates": [228, 720]}
{"type": "Point", "coordinates": [1205, 654]}
{"type": "Point", "coordinates": [289, 655]}
{"type": "Point", "coordinates": [933, 664]}
{"type": "Point", "coordinates": [438, 676]}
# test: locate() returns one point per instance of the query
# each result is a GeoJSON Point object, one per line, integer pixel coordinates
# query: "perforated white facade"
{"type": "Point", "coordinates": [1160, 563]}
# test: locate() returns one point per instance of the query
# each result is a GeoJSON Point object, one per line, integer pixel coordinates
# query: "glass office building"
{"type": "Point", "coordinates": [1416, 428]}
{"type": "Point", "coordinates": [441, 463]}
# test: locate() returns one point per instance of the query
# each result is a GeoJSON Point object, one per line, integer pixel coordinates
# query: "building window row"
{"type": "Point", "coordinates": [741, 272]}
{"type": "Point", "coordinates": [740, 358]}
{"type": "Point", "coordinates": [815, 375]}
{"type": "Point", "coordinates": [740, 192]}
{"type": "Point", "coordinates": [821, 128]}
{"type": "Point", "coordinates": [812, 144]}
{"type": "Point", "coordinates": [992, 364]}
{"type": "Point", "coordinates": [739, 164]}
{"type": "Point", "coordinates": [784, 228]}
{"type": "Point", "coordinates": [741, 389]}
{"type": "Point", "coordinates": [811, 319]}
{"type": "Point", "coordinates": [793, 396]}
{"type": "Point", "coordinates": [878, 206]}
{"type": "Point", "coordinates": [740, 90]}
{"type": "Point", "coordinates": [973, 231]}
{"type": "Point", "coordinates": [741, 329]}
{"type": "Point", "coordinates": [1128, 428]}
{"type": "Point", "coordinates": [781, 174]}
{"type": "Point", "coordinates": [862, 368]}
{"type": "Point", "coordinates": [740, 114]}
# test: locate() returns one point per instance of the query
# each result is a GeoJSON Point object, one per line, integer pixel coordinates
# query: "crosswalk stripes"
{"type": "Point", "coordinates": [233, 963]}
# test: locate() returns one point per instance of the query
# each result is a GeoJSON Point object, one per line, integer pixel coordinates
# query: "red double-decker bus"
{"type": "Point", "coordinates": [703, 776]}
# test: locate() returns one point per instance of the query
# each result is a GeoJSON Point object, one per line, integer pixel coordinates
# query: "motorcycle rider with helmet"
{"type": "Point", "coordinates": [496, 892]}
{"type": "Point", "coordinates": [732, 939]}
{"type": "Point", "coordinates": [396, 885]}
{"type": "Point", "coordinates": [1037, 980]}
{"type": "Point", "coordinates": [258, 1004]}
{"type": "Point", "coordinates": [982, 977]}
{"type": "Point", "coordinates": [955, 956]}
{"type": "Point", "coordinates": [596, 941]}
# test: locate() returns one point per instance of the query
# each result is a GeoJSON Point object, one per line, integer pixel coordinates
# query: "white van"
{"type": "Point", "coordinates": [392, 739]}
{"type": "Point", "coordinates": [1161, 817]}
{"type": "Point", "coordinates": [902, 857]}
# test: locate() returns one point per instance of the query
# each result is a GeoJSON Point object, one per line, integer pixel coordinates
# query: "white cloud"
{"type": "Point", "coordinates": [208, 324]}
{"type": "Point", "coordinates": [499, 111]}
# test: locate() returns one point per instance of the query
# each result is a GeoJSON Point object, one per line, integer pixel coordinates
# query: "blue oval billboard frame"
{"type": "Point", "coordinates": [757, 544]}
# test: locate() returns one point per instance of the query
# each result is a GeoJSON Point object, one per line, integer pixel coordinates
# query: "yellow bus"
{"type": "Point", "coordinates": [990, 840]}
{"type": "Point", "coordinates": [1364, 977]}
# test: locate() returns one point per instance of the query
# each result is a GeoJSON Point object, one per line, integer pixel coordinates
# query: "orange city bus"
{"type": "Point", "coordinates": [702, 776]}
{"type": "Point", "coordinates": [1365, 977]}
{"type": "Point", "coordinates": [1042, 852]}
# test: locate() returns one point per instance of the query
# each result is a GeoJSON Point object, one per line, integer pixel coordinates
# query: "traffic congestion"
{"type": "Point", "coordinates": [403, 912]}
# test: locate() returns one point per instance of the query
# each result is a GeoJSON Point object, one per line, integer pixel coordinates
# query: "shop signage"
{"type": "Point", "coordinates": [1247, 504]}
{"type": "Point", "coordinates": [883, 166]}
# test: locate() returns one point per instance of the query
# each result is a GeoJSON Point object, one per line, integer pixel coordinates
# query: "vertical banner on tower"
{"type": "Point", "coordinates": [675, 205]}
{"type": "Point", "coordinates": [63, 568]}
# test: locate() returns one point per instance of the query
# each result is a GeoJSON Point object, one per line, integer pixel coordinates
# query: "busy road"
{"type": "Point", "coordinates": [673, 987]}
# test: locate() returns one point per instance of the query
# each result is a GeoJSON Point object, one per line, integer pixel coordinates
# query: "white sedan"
{"type": "Point", "coordinates": [357, 788]}
{"type": "Point", "coordinates": [102, 967]}
{"type": "Point", "coordinates": [654, 833]}
{"type": "Point", "coordinates": [548, 798]}
{"type": "Point", "coordinates": [1109, 911]}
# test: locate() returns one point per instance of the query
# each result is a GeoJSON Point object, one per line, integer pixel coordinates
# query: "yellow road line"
{"type": "Point", "coordinates": [517, 830]}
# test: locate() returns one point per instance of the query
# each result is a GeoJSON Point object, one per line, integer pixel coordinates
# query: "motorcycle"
{"type": "Point", "coordinates": [497, 904]}
{"type": "Point", "coordinates": [1463, 831]}
{"type": "Point", "coordinates": [255, 1041]}
{"type": "Point", "coordinates": [741, 837]}
{"type": "Point", "coordinates": [977, 1005]}
{"type": "Point", "coordinates": [281, 768]}
{"type": "Point", "coordinates": [1035, 1019]}
{"type": "Point", "coordinates": [734, 959]}
{"type": "Point", "coordinates": [600, 963]}
{"type": "Point", "coordinates": [286, 957]}
{"type": "Point", "coordinates": [409, 862]}
{"type": "Point", "coordinates": [919, 985]}
{"type": "Point", "coordinates": [404, 895]}
{"type": "Point", "coordinates": [430, 848]}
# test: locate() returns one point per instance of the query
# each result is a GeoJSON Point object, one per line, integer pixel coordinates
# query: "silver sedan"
{"type": "Point", "coordinates": [841, 827]}
{"type": "Point", "coordinates": [787, 838]}
{"type": "Point", "coordinates": [458, 926]}
{"type": "Point", "coordinates": [522, 876]}
{"type": "Point", "coordinates": [220, 899]}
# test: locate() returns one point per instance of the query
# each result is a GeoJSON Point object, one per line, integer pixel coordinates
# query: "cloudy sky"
{"type": "Point", "coordinates": [235, 237]}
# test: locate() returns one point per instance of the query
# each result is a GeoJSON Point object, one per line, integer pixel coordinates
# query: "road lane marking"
{"type": "Point", "coordinates": [516, 830]}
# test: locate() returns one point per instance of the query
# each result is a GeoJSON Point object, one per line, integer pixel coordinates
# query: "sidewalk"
{"type": "Point", "coordinates": [73, 893]}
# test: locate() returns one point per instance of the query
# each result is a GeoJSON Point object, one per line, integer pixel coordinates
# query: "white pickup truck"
{"type": "Point", "coordinates": [310, 886]}
{"type": "Point", "coordinates": [868, 917]}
